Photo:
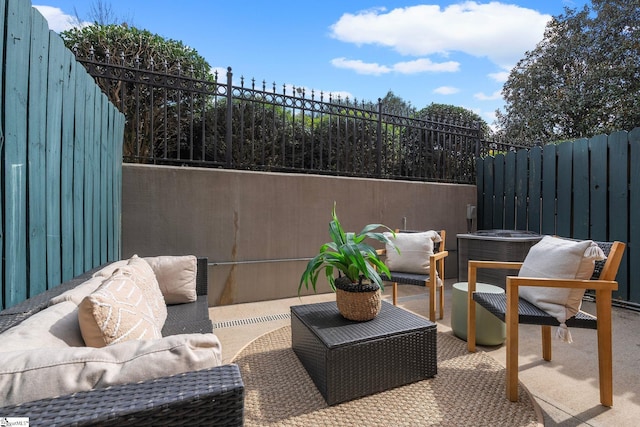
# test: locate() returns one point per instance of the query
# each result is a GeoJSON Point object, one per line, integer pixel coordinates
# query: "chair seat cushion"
{"type": "Point", "coordinates": [529, 313]}
{"type": "Point", "coordinates": [558, 258]}
{"type": "Point", "coordinates": [415, 250]}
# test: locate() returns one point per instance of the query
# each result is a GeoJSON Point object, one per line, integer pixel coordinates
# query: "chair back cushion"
{"type": "Point", "coordinates": [558, 258]}
{"type": "Point", "coordinates": [415, 250]}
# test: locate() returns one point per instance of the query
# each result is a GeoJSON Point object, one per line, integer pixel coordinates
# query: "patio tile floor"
{"type": "Point", "coordinates": [566, 389]}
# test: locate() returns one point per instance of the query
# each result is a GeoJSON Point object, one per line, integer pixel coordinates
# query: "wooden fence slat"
{"type": "Point", "coordinates": [564, 193]}
{"type": "Point", "coordinates": [66, 166]}
{"type": "Point", "coordinates": [535, 183]}
{"type": "Point", "coordinates": [633, 249]}
{"type": "Point", "coordinates": [549, 193]}
{"type": "Point", "coordinates": [498, 190]}
{"type": "Point", "coordinates": [2, 141]}
{"type": "Point", "coordinates": [522, 187]}
{"type": "Point", "coordinates": [88, 177]}
{"type": "Point", "coordinates": [15, 150]}
{"type": "Point", "coordinates": [97, 134]}
{"type": "Point", "coordinates": [39, 59]}
{"type": "Point", "coordinates": [510, 191]}
{"type": "Point", "coordinates": [54, 154]}
{"type": "Point", "coordinates": [79, 141]}
{"type": "Point", "coordinates": [103, 177]}
{"type": "Point", "coordinates": [580, 206]}
{"type": "Point", "coordinates": [598, 184]}
{"type": "Point", "coordinates": [618, 202]}
{"type": "Point", "coordinates": [110, 186]}
{"type": "Point", "coordinates": [487, 196]}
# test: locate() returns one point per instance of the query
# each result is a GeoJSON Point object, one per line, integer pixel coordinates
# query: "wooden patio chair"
{"type": "Point", "coordinates": [429, 277]}
{"type": "Point", "coordinates": [514, 310]}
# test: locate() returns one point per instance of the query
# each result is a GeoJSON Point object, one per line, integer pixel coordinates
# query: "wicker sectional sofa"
{"type": "Point", "coordinates": [211, 396]}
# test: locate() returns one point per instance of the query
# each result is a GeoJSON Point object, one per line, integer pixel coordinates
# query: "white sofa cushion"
{"type": "Point", "coordinates": [554, 257]}
{"type": "Point", "coordinates": [54, 327]}
{"type": "Point", "coordinates": [108, 269]}
{"type": "Point", "coordinates": [42, 373]}
{"type": "Point", "coordinates": [117, 311]}
{"type": "Point", "coordinates": [77, 294]}
{"type": "Point", "coordinates": [176, 277]}
{"type": "Point", "coordinates": [415, 250]}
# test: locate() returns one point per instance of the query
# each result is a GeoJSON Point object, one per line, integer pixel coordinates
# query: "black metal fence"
{"type": "Point", "coordinates": [176, 119]}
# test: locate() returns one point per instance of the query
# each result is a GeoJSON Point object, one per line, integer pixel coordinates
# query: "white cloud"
{"type": "Point", "coordinates": [446, 90]}
{"type": "Point", "coordinates": [58, 20]}
{"type": "Point", "coordinates": [425, 64]}
{"type": "Point", "coordinates": [500, 77]}
{"type": "Point", "coordinates": [360, 67]}
{"type": "Point", "coordinates": [408, 67]}
{"type": "Point", "coordinates": [493, 97]}
{"type": "Point", "coordinates": [498, 31]}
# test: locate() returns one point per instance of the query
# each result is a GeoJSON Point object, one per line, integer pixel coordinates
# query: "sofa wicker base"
{"type": "Point", "coordinates": [348, 359]}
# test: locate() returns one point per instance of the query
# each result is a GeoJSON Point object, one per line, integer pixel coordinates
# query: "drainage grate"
{"type": "Point", "coordinates": [251, 320]}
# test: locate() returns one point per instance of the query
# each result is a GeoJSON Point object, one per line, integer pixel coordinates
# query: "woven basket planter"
{"type": "Point", "coordinates": [358, 302]}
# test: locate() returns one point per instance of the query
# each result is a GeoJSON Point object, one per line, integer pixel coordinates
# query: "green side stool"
{"type": "Point", "coordinates": [489, 329]}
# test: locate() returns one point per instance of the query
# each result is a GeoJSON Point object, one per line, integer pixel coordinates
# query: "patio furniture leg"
{"type": "Point", "coordinates": [511, 320]}
{"type": "Point", "coordinates": [605, 355]}
{"type": "Point", "coordinates": [395, 293]}
{"type": "Point", "coordinates": [432, 300]}
{"type": "Point", "coordinates": [471, 310]}
{"type": "Point", "coordinates": [546, 342]}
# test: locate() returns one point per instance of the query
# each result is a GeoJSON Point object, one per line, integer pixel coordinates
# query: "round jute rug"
{"type": "Point", "coordinates": [469, 390]}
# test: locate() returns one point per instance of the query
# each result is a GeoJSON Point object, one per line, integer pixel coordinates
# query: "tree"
{"type": "Point", "coordinates": [102, 13]}
{"type": "Point", "coordinates": [393, 104]}
{"type": "Point", "coordinates": [164, 122]}
{"type": "Point", "coordinates": [455, 115]}
{"type": "Point", "coordinates": [582, 79]}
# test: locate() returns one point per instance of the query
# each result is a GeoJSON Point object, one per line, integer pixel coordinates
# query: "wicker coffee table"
{"type": "Point", "coordinates": [348, 360]}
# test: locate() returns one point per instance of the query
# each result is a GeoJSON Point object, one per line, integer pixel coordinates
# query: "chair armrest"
{"type": "Point", "coordinates": [597, 285]}
{"type": "Point", "coordinates": [475, 265]}
{"type": "Point", "coordinates": [438, 256]}
{"type": "Point", "coordinates": [213, 396]}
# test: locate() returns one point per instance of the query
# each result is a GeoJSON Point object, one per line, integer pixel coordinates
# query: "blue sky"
{"type": "Point", "coordinates": [450, 52]}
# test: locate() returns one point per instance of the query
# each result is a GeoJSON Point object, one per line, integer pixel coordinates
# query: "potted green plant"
{"type": "Point", "coordinates": [358, 266]}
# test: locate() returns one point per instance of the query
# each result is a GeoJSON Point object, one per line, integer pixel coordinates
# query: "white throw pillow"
{"type": "Point", "coordinates": [415, 250]}
{"type": "Point", "coordinates": [554, 257]}
{"type": "Point", "coordinates": [176, 276]}
{"type": "Point", "coordinates": [42, 373]}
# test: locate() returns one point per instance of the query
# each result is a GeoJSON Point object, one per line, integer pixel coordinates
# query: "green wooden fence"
{"type": "Point", "coordinates": [588, 188]}
{"type": "Point", "coordinates": [61, 162]}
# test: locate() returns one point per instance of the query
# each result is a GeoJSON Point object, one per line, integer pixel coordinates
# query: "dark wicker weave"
{"type": "Point", "coordinates": [212, 396]}
{"type": "Point", "coordinates": [343, 357]}
{"type": "Point", "coordinates": [528, 313]}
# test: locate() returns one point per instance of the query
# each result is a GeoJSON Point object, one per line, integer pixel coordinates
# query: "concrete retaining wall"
{"type": "Point", "coordinates": [257, 228]}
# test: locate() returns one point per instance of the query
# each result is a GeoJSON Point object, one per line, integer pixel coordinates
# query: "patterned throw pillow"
{"type": "Point", "coordinates": [142, 274]}
{"type": "Point", "coordinates": [415, 250]}
{"type": "Point", "coordinates": [117, 311]}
